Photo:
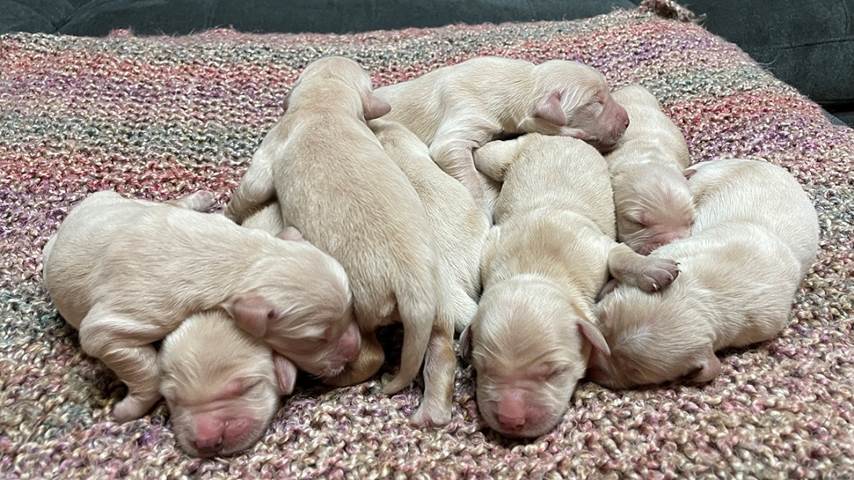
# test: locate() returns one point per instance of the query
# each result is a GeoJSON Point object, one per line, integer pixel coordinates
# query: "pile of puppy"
{"type": "Point", "coordinates": [365, 208]}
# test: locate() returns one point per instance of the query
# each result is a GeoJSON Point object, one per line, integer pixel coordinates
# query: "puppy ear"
{"type": "Point", "coordinates": [594, 336]}
{"type": "Point", "coordinates": [707, 368]}
{"type": "Point", "coordinates": [252, 313]}
{"type": "Point", "coordinates": [689, 172]}
{"type": "Point", "coordinates": [465, 344]}
{"type": "Point", "coordinates": [286, 374]}
{"type": "Point", "coordinates": [550, 110]}
{"type": "Point", "coordinates": [290, 233]}
{"type": "Point", "coordinates": [375, 107]}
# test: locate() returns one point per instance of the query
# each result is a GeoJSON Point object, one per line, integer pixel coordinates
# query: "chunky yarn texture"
{"type": "Point", "coordinates": [163, 116]}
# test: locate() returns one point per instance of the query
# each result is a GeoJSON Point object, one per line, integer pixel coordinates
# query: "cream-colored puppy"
{"type": "Point", "coordinates": [222, 386]}
{"type": "Point", "coordinates": [457, 108]}
{"type": "Point", "coordinates": [337, 186]}
{"type": "Point", "coordinates": [754, 238]}
{"type": "Point", "coordinates": [654, 205]}
{"type": "Point", "coordinates": [456, 221]}
{"type": "Point", "coordinates": [544, 263]}
{"type": "Point", "coordinates": [127, 272]}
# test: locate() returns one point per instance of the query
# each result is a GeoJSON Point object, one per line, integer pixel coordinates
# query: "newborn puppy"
{"type": "Point", "coordinates": [654, 206]}
{"type": "Point", "coordinates": [457, 108]}
{"type": "Point", "coordinates": [754, 238]}
{"type": "Point", "coordinates": [127, 272]}
{"type": "Point", "coordinates": [337, 186]}
{"type": "Point", "coordinates": [220, 404]}
{"type": "Point", "coordinates": [456, 221]}
{"type": "Point", "coordinates": [544, 262]}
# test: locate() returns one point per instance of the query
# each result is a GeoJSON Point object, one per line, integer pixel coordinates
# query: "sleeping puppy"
{"type": "Point", "coordinates": [543, 264]}
{"type": "Point", "coordinates": [458, 229]}
{"type": "Point", "coordinates": [457, 108]}
{"type": "Point", "coordinates": [221, 385]}
{"type": "Point", "coordinates": [456, 221]}
{"type": "Point", "coordinates": [654, 206]}
{"type": "Point", "coordinates": [754, 238]}
{"type": "Point", "coordinates": [337, 186]}
{"type": "Point", "coordinates": [126, 272]}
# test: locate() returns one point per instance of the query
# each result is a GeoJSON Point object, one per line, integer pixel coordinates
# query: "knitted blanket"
{"type": "Point", "coordinates": [159, 117]}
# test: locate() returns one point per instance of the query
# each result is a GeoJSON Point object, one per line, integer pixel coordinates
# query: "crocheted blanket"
{"type": "Point", "coordinates": [159, 117]}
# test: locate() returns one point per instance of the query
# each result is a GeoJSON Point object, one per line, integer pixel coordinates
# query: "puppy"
{"type": "Point", "coordinates": [545, 260]}
{"type": "Point", "coordinates": [457, 108]}
{"type": "Point", "coordinates": [337, 186]}
{"type": "Point", "coordinates": [220, 404]}
{"type": "Point", "coordinates": [456, 222]}
{"type": "Point", "coordinates": [754, 238]}
{"type": "Point", "coordinates": [127, 272]}
{"type": "Point", "coordinates": [654, 205]}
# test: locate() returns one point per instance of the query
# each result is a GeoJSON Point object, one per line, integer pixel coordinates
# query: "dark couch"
{"type": "Point", "coordinates": [806, 43]}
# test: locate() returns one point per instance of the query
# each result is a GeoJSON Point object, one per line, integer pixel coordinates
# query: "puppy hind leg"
{"type": "Point", "coordinates": [440, 364]}
{"type": "Point", "coordinates": [650, 274]}
{"type": "Point", "coordinates": [125, 347]}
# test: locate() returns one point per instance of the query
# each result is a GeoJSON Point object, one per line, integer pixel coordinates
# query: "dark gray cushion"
{"type": "Point", "coordinates": [33, 15]}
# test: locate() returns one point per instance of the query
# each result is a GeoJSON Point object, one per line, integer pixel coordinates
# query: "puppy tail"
{"type": "Point", "coordinates": [460, 307]}
{"type": "Point", "coordinates": [417, 308]}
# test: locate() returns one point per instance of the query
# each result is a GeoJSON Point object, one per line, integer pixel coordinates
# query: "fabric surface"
{"type": "Point", "coordinates": [159, 117]}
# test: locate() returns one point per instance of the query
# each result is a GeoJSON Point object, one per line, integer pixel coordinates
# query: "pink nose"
{"type": "Point", "coordinates": [209, 430]}
{"type": "Point", "coordinates": [511, 423]}
{"type": "Point", "coordinates": [511, 410]}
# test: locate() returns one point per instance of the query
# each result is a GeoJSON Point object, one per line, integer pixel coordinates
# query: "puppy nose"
{"type": "Point", "coordinates": [207, 445]}
{"type": "Point", "coordinates": [209, 432]}
{"type": "Point", "coordinates": [512, 423]}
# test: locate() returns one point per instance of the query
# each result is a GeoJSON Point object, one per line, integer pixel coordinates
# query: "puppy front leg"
{"type": "Point", "coordinates": [125, 347]}
{"type": "Point", "coordinates": [650, 274]}
{"type": "Point", "coordinates": [494, 158]}
{"type": "Point", "coordinates": [254, 191]}
{"type": "Point", "coordinates": [440, 364]}
{"type": "Point", "coordinates": [452, 147]}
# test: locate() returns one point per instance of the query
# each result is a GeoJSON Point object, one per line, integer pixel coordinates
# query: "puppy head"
{"type": "Point", "coordinates": [653, 338]}
{"type": "Point", "coordinates": [222, 387]}
{"type": "Point", "coordinates": [574, 100]}
{"type": "Point", "coordinates": [297, 299]}
{"type": "Point", "coordinates": [529, 346]}
{"type": "Point", "coordinates": [346, 72]}
{"type": "Point", "coordinates": [654, 207]}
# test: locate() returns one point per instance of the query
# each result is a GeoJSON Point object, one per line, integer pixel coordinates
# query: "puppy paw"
{"type": "Point", "coordinates": [430, 417]}
{"type": "Point", "coordinates": [657, 274]}
{"type": "Point", "coordinates": [131, 408]}
{"type": "Point", "coordinates": [201, 201]}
